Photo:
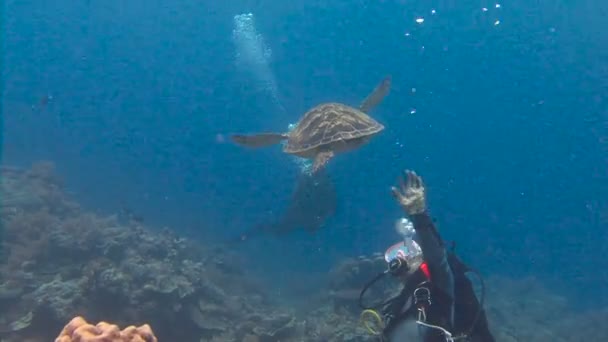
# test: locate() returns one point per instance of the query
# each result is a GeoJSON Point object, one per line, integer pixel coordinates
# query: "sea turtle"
{"type": "Point", "coordinates": [326, 130]}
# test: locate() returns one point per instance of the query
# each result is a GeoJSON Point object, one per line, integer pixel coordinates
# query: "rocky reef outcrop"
{"type": "Point", "coordinates": [60, 261]}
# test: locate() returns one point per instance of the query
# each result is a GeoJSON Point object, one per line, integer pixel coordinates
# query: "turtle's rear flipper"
{"type": "Point", "coordinates": [258, 140]}
{"type": "Point", "coordinates": [376, 95]}
{"type": "Point", "coordinates": [321, 160]}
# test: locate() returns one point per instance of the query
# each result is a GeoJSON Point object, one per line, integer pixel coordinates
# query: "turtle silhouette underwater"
{"type": "Point", "coordinates": [312, 203]}
{"type": "Point", "coordinates": [326, 130]}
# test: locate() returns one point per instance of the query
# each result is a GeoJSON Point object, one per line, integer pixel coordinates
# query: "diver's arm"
{"type": "Point", "coordinates": [412, 198]}
{"type": "Point", "coordinates": [428, 239]}
{"type": "Point", "coordinates": [433, 251]}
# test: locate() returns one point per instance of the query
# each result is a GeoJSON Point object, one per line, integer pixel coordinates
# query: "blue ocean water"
{"type": "Point", "coordinates": [499, 106]}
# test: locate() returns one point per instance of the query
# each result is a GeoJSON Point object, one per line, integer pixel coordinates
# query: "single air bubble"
{"type": "Point", "coordinates": [413, 90]}
{"type": "Point", "coordinates": [413, 111]}
{"type": "Point", "coordinates": [497, 22]}
{"type": "Point", "coordinates": [485, 9]}
{"type": "Point", "coordinates": [407, 34]}
{"type": "Point", "coordinates": [497, 6]}
{"type": "Point", "coordinates": [419, 20]}
{"type": "Point", "coordinates": [433, 11]}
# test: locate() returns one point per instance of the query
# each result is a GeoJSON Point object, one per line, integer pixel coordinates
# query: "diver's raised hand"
{"type": "Point", "coordinates": [411, 193]}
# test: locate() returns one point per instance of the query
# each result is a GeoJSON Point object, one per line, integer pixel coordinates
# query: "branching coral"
{"type": "Point", "coordinates": [78, 330]}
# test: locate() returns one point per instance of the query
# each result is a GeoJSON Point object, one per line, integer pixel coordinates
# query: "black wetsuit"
{"type": "Point", "coordinates": [451, 302]}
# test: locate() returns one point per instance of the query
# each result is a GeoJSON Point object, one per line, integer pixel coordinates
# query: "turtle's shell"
{"type": "Point", "coordinates": [328, 123]}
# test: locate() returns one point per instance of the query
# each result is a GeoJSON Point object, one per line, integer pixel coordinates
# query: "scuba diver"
{"type": "Point", "coordinates": [437, 301]}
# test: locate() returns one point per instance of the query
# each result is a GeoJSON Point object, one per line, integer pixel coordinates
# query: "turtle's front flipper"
{"type": "Point", "coordinates": [321, 159]}
{"type": "Point", "coordinates": [258, 140]}
{"type": "Point", "coordinates": [376, 95]}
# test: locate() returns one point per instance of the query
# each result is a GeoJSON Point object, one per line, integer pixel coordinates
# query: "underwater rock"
{"type": "Point", "coordinates": [347, 299]}
{"type": "Point", "coordinates": [60, 297]}
{"type": "Point", "coordinates": [355, 272]}
{"type": "Point", "coordinates": [250, 338]}
{"type": "Point", "coordinates": [177, 285]}
{"type": "Point", "coordinates": [209, 323]}
{"type": "Point", "coordinates": [347, 279]}
{"type": "Point", "coordinates": [537, 309]}
{"type": "Point", "coordinates": [113, 282]}
{"type": "Point", "coordinates": [276, 328]}
{"type": "Point", "coordinates": [19, 324]}
{"type": "Point", "coordinates": [62, 261]}
{"type": "Point", "coordinates": [9, 292]}
{"type": "Point", "coordinates": [213, 316]}
{"type": "Point", "coordinates": [326, 325]}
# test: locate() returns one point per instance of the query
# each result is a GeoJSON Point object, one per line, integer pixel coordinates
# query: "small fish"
{"type": "Point", "coordinates": [43, 102]}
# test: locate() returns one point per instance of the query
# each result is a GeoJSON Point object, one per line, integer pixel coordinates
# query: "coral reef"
{"type": "Point", "coordinates": [60, 261]}
{"type": "Point", "coordinates": [78, 330]}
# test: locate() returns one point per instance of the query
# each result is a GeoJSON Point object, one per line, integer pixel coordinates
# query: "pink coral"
{"type": "Point", "coordinates": [78, 330]}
